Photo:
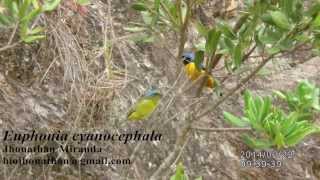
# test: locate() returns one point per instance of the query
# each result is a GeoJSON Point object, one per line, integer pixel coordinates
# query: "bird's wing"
{"type": "Point", "coordinates": [146, 104]}
{"type": "Point", "coordinates": [142, 103]}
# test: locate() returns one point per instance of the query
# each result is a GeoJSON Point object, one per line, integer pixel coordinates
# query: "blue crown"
{"type": "Point", "coordinates": [152, 92]}
{"type": "Point", "coordinates": [188, 56]}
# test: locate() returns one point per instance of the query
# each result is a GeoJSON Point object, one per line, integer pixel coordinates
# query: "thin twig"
{"type": "Point", "coordinates": [13, 33]}
{"type": "Point", "coordinates": [9, 46]}
{"type": "Point", "coordinates": [166, 163]}
{"type": "Point", "coordinates": [181, 150]}
{"type": "Point", "coordinates": [244, 58]}
{"type": "Point", "coordinates": [45, 74]}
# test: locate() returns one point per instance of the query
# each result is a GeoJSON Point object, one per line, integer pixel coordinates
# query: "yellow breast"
{"type": "Point", "coordinates": [192, 71]}
{"type": "Point", "coordinates": [193, 74]}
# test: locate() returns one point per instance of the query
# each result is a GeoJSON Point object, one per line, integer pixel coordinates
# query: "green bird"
{"type": "Point", "coordinates": [144, 106]}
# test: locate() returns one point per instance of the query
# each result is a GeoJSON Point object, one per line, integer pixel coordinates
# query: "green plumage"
{"type": "Point", "coordinates": [144, 107]}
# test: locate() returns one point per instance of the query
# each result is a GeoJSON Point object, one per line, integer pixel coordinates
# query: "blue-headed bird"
{"type": "Point", "coordinates": [144, 107]}
{"type": "Point", "coordinates": [192, 71]}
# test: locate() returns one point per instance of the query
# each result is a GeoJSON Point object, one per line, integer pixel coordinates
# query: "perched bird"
{"type": "Point", "coordinates": [144, 106]}
{"type": "Point", "coordinates": [192, 71]}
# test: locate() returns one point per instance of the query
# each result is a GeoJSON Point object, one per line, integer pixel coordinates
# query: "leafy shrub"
{"type": "Point", "coordinates": [304, 99]}
{"type": "Point", "coordinates": [180, 174]}
{"type": "Point", "coordinates": [23, 13]}
{"type": "Point", "coordinates": [272, 126]}
{"type": "Point", "coordinates": [268, 25]}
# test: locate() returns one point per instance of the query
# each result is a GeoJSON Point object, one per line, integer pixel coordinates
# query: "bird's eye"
{"type": "Point", "coordinates": [185, 61]}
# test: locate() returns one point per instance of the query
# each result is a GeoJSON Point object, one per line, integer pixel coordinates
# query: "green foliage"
{"type": "Point", "coordinates": [212, 41]}
{"type": "Point", "coordinates": [22, 13]}
{"type": "Point", "coordinates": [271, 26]}
{"type": "Point", "coordinates": [199, 55]}
{"type": "Point", "coordinates": [83, 2]}
{"type": "Point", "coordinates": [264, 26]}
{"type": "Point", "coordinates": [274, 127]}
{"type": "Point", "coordinates": [50, 5]}
{"type": "Point", "coordinates": [304, 99]}
{"type": "Point", "coordinates": [158, 16]}
{"type": "Point", "coordinates": [180, 174]}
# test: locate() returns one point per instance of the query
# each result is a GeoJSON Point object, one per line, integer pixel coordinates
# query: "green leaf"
{"type": "Point", "coordinates": [157, 10]}
{"type": "Point", "coordinates": [229, 44]}
{"type": "Point", "coordinates": [267, 18]}
{"type": "Point", "coordinates": [289, 124]}
{"type": "Point", "coordinates": [201, 46]}
{"type": "Point", "coordinates": [23, 8]}
{"type": "Point", "coordinates": [247, 98]}
{"type": "Point", "coordinates": [279, 94]}
{"type": "Point", "coordinates": [134, 29]}
{"type": "Point", "coordinates": [212, 41]}
{"type": "Point", "coordinates": [35, 4]}
{"type": "Point", "coordinates": [31, 16]}
{"type": "Point", "coordinates": [287, 5]}
{"type": "Point", "coordinates": [4, 20]}
{"type": "Point", "coordinates": [235, 120]}
{"type": "Point", "coordinates": [202, 30]}
{"type": "Point", "coordinates": [265, 108]}
{"type": "Point", "coordinates": [279, 139]}
{"type": "Point", "coordinates": [179, 175]}
{"type": "Point", "coordinates": [237, 55]}
{"type": "Point", "coordinates": [302, 38]}
{"type": "Point", "coordinates": [83, 2]}
{"type": "Point", "coordinates": [257, 143]}
{"type": "Point", "coordinates": [199, 56]}
{"type": "Point", "coordinates": [316, 97]}
{"type": "Point", "coordinates": [280, 20]}
{"type": "Point", "coordinates": [139, 7]}
{"type": "Point", "coordinates": [270, 36]}
{"type": "Point", "coordinates": [314, 10]}
{"type": "Point", "coordinates": [32, 38]}
{"type": "Point", "coordinates": [273, 50]}
{"type": "Point", "coordinates": [299, 135]}
{"type": "Point", "coordinates": [148, 39]}
{"type": "Point", "coordinates": [36, 30]}
{"type": "Point", "coordinates": [14, 9]}
{"type": "Point", "coordinates": [226, 30]}
{"type": "Point", "coordinates": [183, 10]}
{"type": "Point", "coordinates": [316, 22]}
{"type": "Point", "coordinates": [142, 38]}
{"type": "Point", "coordinates": [50, 5]}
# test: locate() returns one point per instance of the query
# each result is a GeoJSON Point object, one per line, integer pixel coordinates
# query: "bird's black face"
{"type": "Point", "coordinates": [187, 57]}
{"type": "Point", "coordinates": [186, 61]}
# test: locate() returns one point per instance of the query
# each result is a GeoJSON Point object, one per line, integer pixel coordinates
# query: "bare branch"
{"type": "Point", "coordinates": [6, 47]}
